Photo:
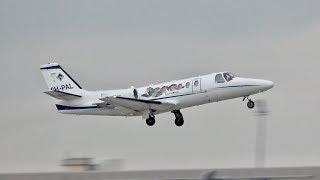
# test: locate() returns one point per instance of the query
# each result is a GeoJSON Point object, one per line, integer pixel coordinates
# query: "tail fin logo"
{"type": "Point", "coordinates": [60, 77]}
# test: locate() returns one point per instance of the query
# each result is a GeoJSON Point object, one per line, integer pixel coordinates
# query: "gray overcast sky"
{"type": "Point", "coordinates": [116, 44]}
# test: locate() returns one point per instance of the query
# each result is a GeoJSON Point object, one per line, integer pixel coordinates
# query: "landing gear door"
{"type": "Point", "coordinates": [196, 85]}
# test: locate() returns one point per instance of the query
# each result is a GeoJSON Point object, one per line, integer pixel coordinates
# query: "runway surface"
{"type": "Point", "coordinates": [288, 173]}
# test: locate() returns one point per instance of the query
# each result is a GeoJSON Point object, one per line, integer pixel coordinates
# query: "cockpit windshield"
{"type": "Point", "coordinates": [224, 77]}
{"type": "Point", "coordinates": [228, 76]}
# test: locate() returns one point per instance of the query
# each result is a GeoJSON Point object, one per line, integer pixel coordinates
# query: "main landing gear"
{"type": "Point", "coordinates": [178, 121]}
{"type": "Point", "coordinates": [151, 120]}
{"type": "Point", "coordinates": [250, 103]}
{"type": "Point", "coordinates": [179, 118]}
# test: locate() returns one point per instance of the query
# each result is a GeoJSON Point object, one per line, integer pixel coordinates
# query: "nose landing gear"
{"type": "Point", "coordinates": [250, 103]}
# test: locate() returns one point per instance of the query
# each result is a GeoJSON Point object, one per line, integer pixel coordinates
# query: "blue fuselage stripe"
{"type": "Point", "coordinates": [172, 96]}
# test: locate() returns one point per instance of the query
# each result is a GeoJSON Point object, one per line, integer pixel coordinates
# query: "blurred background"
{"type": "Point", "coordinates": [118, 44]}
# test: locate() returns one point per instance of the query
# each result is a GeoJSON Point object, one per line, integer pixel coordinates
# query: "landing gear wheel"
{"type": "Point", "coordinates": [179, 121]}
{"type": "Point", "coordinates": [250, 104]}
{"type": "Point", "coordinates": [150, 121]}
{"type": "Point", "coordinates": [179, 118]}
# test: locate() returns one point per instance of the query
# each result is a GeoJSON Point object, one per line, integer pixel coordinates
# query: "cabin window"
{"type": "Point", "coordinates": [187, 84]}
{"type": "Point", "coordinates": [196, 83]}
{"type": "Point", "coordinates": [219, 78]}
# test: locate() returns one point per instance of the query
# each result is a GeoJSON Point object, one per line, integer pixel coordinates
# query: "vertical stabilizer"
{"type": "Point", "coordinates": [58, 79]}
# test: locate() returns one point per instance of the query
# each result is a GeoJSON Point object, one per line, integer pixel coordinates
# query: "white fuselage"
{"type": "Point", "coordinates": [183, 93]}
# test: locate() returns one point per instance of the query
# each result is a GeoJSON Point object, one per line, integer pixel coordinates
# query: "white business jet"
{"type": "Point", "coordinates": [148, 101]}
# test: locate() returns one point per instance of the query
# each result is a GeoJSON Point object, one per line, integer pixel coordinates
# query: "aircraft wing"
{"type": "Point", "coordinates": [62, 95]}
{"type": "Point", "coordinates": [138, 104]}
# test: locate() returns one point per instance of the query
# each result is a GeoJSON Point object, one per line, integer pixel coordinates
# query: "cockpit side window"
{"type": "Point", "coordinates": [228, 76]}
{"type": "Point", "coordinates": [219, 78]}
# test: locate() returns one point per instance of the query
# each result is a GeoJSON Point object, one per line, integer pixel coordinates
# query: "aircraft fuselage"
{"type": "Point", "coordinates": [150, 100]}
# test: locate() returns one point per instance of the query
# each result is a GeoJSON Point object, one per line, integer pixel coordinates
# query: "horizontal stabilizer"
{"type": "Point", "coordinates": [63, 95]}
{"type": "Point", "coordinates": [137, 104]}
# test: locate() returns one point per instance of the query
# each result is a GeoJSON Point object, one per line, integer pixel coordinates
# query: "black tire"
{"type": "Point", "coordinates": [250, 104]}
{"type": "Point", "coordinates": [150, 121]}
{"type": "Point", "coordinates": [179, 121]}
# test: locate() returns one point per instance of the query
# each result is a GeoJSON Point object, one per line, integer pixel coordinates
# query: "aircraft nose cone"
{"type": "Point", "coordinates": [267, 84]}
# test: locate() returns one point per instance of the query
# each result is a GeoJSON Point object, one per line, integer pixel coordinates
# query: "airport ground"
{"type": "Point", "coordinates": [284, 173]}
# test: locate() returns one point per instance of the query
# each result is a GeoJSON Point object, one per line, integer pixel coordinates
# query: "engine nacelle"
{"type": "Point", "coordinates": [130, 93]}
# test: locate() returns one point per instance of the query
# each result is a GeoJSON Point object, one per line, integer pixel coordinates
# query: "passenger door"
{"type": "Point", "coordinates": [196, 85]}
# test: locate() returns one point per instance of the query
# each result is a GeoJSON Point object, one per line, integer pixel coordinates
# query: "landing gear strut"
{"type": "Point", "coordinates": [250, 103]}
{"type": "Point", "coordinates": [151, 120]}
{"type": "Point", "coordinates": [179, 118]}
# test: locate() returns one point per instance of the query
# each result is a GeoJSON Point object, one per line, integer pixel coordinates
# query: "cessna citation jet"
{"type": "Point", "coordinates": [148, 101]}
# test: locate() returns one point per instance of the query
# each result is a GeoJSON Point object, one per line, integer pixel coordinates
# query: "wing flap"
{"type": "Point", "coordinates": [62, 95]}
{"type": "Point", "coordinates": [138, 104]}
